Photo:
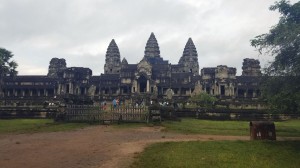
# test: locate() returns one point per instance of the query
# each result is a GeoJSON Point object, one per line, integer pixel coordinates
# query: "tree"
{"type": "Point", "coordinates": [205, 100]}
{"type": "Point", "coordinates": [281, 85]}
{"type": "Point", "coordinates": [7, 66]}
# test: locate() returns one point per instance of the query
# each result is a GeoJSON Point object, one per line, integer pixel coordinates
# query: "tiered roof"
{"type": "Point", "coordinates": [152, 48]}
{"type": "Point", "coordinates": [113, 50]}
{"type": "Point", "coordinates": [189, 51]}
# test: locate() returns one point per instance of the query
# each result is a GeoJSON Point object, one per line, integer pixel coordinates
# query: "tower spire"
{"type": "Point", "coordinates": [152, 48]}
{"type": "Point", "coordinates": [113, 50]}
{"type": "Point", "coordinates": [113, 58]}
{"type": "Point", "coordinates": [189, 58]}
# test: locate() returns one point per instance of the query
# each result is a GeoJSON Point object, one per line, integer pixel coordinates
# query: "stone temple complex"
{"type": "Point", "coordinates": [151, 76]}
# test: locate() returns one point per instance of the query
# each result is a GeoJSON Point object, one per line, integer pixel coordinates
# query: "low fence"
{"type": "Point", "coordinates": [91, 113]}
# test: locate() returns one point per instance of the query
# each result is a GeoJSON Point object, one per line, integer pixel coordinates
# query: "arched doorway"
{"type": "Point", "coordinates": [142, 82]}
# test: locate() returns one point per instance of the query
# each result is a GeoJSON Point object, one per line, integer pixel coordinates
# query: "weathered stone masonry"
{"type": "Point", "coordinates": [152, 75]}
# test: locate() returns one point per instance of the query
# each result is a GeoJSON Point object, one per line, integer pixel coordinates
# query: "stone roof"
{"type": "Point", "coordinates": [208, 71]}
{"type": "Point", "coordinates": [29, 81]}
{"type": "Point", "coordinates": [109, 77]}
{"type": "Point", "coordinates": [130, 67]}
{"type": "Point", "coordinates": [95, 79]}
{"type": "Point", "coordinates": [31, 78]}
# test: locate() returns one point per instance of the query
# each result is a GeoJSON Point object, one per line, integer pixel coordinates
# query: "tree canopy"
{"type": "Point", "coordinates": [281, 85]}
{"type": "Point", "coordinates": [206, 100]}
{"type": "Point", "coordinates": [283, 40]}
{"type": "Point", "coordinates": [8, 66]}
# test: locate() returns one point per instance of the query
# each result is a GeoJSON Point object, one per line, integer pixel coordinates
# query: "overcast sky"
{"type": "Point", "coordinates": [81, 30]}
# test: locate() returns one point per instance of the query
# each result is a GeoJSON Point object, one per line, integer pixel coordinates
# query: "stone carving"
{"type": "Point", "coordinates": [169, 93]}
{"type": "Point", "coordinates": [91, 90]}
{"type": "Point", "coordinates": [222, 72]}
{"type": "Point", "coordinates": [144, 67]}
{"type": "Point", "coordinates": [155, 92]}
{"type": "Point", "coordinates": [197, 90]}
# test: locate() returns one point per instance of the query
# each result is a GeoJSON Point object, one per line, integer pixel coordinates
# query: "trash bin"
{"type": "Point", "coordinates": [262, 130]}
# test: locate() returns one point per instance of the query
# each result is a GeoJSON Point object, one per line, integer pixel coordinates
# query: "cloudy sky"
{"type": "Point", "coordinates": [80, 30]}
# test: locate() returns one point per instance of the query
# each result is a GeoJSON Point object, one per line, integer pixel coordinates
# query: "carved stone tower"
{"type": "Point", "coordinates": [152, 48]}
{"type": "Point", "coordinates": [251, 67]}
{"type": "Point", "coordinates": [112, 60]}
{"type": "Point", "coordinates": [189, 59]}
{"type": "Point", "coordinates": [152, 52]}
{"type": "Point", "coordinates": [124, 63]}
{"type": "Point", "coordinates": [56, 67]}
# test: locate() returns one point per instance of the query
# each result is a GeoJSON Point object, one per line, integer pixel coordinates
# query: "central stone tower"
{"type": "Point", "coordinates": [152, 53]}
{"type": "Point", "coordinates": [189, 59]}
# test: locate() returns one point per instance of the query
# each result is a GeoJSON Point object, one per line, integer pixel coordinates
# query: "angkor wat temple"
{"type": "Point", "coordinates": [151, 76]}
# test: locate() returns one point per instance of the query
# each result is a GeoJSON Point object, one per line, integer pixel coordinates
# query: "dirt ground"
{"type": "Point", "coordinates": [92, 147]}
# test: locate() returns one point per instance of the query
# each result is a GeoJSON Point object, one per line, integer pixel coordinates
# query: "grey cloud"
{"type": "Point", "coordinates": [80, 30]}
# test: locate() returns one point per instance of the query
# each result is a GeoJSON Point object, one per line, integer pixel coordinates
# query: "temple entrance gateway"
{"type": "Point", "coordinates": [142, 84]}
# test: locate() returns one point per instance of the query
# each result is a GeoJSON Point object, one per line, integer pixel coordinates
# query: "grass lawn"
{"type": "Point", "coordinates": [267, 154]}
{"type": "Point", "coordinates": [240, 128]}
{"type": "Point", "coordinates": [36, 125]}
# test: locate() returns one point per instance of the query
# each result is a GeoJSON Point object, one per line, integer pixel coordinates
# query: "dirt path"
{"type": "Point", "coordinates": [97, 146]}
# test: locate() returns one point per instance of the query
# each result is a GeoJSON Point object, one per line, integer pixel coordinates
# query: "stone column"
{"type": "Point", "coordinates": [58, 89]}
{"type": "Point", "coordinates": [70, 88]}
{"type": "Point", "coordinates": [148, 86]}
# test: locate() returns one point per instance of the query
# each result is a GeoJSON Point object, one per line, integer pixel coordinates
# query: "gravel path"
{"type": "Point", "coordinates": [96, 146]}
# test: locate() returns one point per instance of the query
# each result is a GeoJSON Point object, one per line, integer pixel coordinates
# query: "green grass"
{"type": "Point", "coordinates": [241, 128]}
{"type": "Point", "coordinates": [195, 126]}
{"type": "Point", "coordinates": [289, 128]}
{"type": "Point", "coordinates": [36, 125]}
{"type": "Point", "coordinates": [231, 154]}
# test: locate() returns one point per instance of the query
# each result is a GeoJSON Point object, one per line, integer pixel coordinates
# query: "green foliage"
{"type": "Point", "coordinates": [204, 100]}
{"type": "Point", "coordinates": [282, 93]}
{"type": "Point", "coordinates": [8, 67]}
{"type": "Point", "coordinates": [281, 87]}
{"type": "Point", "coordinates": [36, 125]}
{"type": "Point", "coordinates": [220, 154]}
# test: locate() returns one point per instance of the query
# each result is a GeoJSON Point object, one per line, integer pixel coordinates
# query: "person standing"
{"type": "Point", "coordinates": [114, 103]}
